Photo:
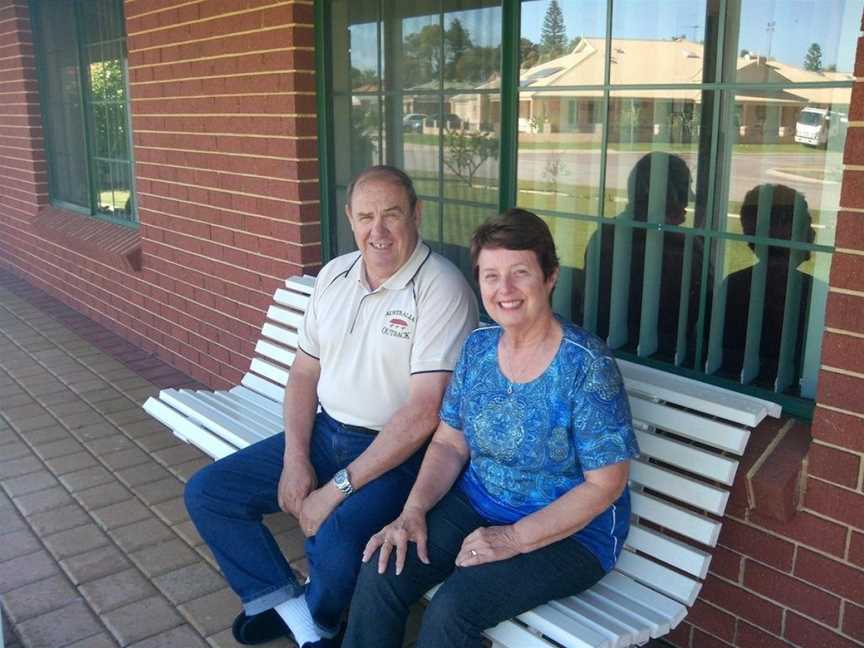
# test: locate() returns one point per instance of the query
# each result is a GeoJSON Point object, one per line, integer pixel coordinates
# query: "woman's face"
{"type": "Point", "coordinates": [512, 286]}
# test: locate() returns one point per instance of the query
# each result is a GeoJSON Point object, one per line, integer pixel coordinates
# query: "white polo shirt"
{"type": "Point", "coordinates": [370, 342]}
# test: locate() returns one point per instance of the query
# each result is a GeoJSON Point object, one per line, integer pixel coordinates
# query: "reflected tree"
{"type": "Point", "coordinates": [467, 151]}
{"type": "Point", "coordinates": [813, 58]}
{"type": "Point", "coordinates": [553, 36]}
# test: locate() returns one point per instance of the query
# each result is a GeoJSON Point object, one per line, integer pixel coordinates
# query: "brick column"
{"type": "Point", "coordinates": [23, 181]}
{"type": "Point", "coordinates": [223, 115]}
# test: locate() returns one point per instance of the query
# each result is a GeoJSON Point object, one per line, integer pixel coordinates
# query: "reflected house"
{"type": "Point", "coordinates": [550, 103]}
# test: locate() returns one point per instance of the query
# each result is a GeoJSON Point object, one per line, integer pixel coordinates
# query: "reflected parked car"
{"type": "Point", "coordinates": [413, 122]}
{"type": "Point", "coordinates": [451, 121]}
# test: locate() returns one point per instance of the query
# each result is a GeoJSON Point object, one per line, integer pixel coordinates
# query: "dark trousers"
{"type": "Point", "coordinates": [470, 599]}
{"type": "Point", "coordinates": [228, 499]}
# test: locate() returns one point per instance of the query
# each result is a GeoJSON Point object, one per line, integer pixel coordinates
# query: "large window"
{"type": "Point", "coordinates": [81, 53]}
{"type": "Point", "coordinates": [685, 153]}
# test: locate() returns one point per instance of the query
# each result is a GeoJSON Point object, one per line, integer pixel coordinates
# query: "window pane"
{"type": "Point", "coordinates": [657, 151]}
{"type": "Point", "coordinates": [418, 64]}
{"type": "Point", "coordinates": [470, 147]}
{"type": "Point", "coordinates": [770, 135]}
{"type": "Point", "coordinates": [472, 44]}
{"type": "Point", "coordinates": [658, 41]}
{"type": "Point", "coordinates": [562, 44]}
{"type": "Point", "coordinates": [363, 43]}
{"type": "Point", "coordinates": [560, 137]}
{"type": "Point", "coordinates": [806, 40]}
{"type": "Point", "coordinates": [63, 116]}
{"type": "Point", "coordinates": [421, 142]}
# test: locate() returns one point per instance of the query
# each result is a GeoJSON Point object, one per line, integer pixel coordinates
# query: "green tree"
{"type": "Point", "coordinates": [553, 35]}
{"type": "Point", "coordinates": [813, 58]}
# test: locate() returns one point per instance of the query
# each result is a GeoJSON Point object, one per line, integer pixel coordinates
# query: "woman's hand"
{"type": "Point", "coordinates": [410, 526]}
{"type": "Point", "coordinates": [488, 544]}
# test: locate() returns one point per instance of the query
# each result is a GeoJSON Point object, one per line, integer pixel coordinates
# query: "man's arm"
{"type": "Point", "coordinates": [404, 434]}
{"type": "Point", "coordinates": [298, 412]}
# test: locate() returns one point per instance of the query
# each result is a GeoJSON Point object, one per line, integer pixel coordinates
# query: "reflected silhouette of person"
{"type": "Point", "coordinates": [625, 250]}
{"type": "Point", "coordinates": [779, 283]}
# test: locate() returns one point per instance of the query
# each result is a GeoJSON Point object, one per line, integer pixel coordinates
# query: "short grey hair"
{"type": "Point", "coordinates": [390, 174]}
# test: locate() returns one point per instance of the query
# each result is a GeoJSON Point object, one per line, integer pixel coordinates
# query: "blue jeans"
{"type": "Point", "coordinates": [470, 599]}
{"type": "Point", "coordinates": [228, 499]}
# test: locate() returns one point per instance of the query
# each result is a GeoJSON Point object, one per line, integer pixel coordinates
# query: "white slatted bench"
{"type": "Point", "coordinates": [691, 435]}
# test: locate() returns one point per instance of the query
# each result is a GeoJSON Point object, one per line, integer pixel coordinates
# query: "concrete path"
{"type": "Point", "coordinates": [96, 547]}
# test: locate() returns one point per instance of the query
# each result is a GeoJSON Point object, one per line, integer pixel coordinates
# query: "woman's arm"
{"type": "Point", "coordinates": [444, 459]}
{"type": "Point", "coordinates": [555, 521]}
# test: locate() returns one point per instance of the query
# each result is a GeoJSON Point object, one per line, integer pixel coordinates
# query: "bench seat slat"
{"type": "Point", "coordinates": [231, 430]}
{"type": "Point", "coordinates": [268, 370]}
{"type": "Point", "coordinates": [185, 430]}
{"type": "Point", "coordinates": [563, 628]}
{"type": "Point", "coordinates": [688, 424]}
{"type": "Point", "coordinates": [301, 283]}
{"type": "Point", "coordinates": [258, 420]}
{"type": "Point", "coordinates": [679, 487]}
{"type": "Point", "coordinates": [695, 460]}
{"type": "Point", "coordinates": [669, 550]}
{"type": "Point", "coordinates": [275, 353]}
{"type": "Point", "coordinates": [621, 629]}
{"type": "Point", "coordinates": [654, 602]}
{"type": "Point", "coordinates": [272, 414]}
{"type": "Point", "coordinates": [713, 400]}
{"type": "Point", "coordinates": [256, 399]}
{"type": "Point", "coordinates": [264, 387]}
{"type": "Point", "coordinates": [280, 334]}
{"type": "Point", "coordinates": [624, 610]}
{"type": "Point", "coordinates": [665, 580]}
{"type": "Point", "coordinates": [285, 316]}
{"type": "Point", "coordinates": [510, 633]}
{"type": "Point", "coordinates": [295, 300]}
{"type": "Point", "coordinates": [687, 523]}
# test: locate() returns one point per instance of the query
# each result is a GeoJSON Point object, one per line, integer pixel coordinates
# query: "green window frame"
{"type": "Point", "coordinates": [83, 86]}
{"type": "Point", "coordinates": [719, 140]}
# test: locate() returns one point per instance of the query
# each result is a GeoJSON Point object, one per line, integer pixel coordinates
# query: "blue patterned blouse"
{"type": "Point", "coordinates": [531, 442]}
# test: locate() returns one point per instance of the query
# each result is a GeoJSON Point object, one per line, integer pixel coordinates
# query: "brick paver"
{"type": "Point", "coordinates": [88, 556]}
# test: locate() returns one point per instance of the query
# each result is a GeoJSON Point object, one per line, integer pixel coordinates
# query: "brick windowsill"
{"type": "Point", "coordinates": [111, 244]}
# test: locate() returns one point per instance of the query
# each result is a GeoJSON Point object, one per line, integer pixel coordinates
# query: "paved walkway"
{"type": "Point", "coordinates": [96, 547]}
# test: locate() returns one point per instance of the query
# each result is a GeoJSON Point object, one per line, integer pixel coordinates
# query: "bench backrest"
{"type": "Point", "coordinates": [691, 436]}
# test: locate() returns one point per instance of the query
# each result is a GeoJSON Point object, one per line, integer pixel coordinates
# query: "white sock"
{"type": "Point", "coordinates": [296, 615]}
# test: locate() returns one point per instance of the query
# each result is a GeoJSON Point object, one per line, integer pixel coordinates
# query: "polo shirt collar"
{"type": "Point", "coordinates": [404, 274]}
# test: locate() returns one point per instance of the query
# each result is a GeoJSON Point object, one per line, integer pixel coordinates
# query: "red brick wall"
{"type": "Point", "coordinates": [801, 583]}
{"type": "Point", "coordinates": [23, 180]}
{"type": "Point", "coordinates": [223, 114]}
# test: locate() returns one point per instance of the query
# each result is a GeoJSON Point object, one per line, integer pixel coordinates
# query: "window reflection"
{"type": "Point", "coordinates": [658, 41]}
{"type": "Point", "coordinates": [806, 36]}
{"type": "Point", "coordinates": [569, 36]}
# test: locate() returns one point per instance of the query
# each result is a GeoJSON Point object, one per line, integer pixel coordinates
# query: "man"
{"type": "Point", "coordinates": [381, 335]}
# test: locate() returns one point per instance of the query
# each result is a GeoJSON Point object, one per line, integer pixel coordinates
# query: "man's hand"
{"type": "Point", "coordinates": [408, 527]}
{"type": "Point", "coordinates": [317, 507]}
{"type": "Point", "coordinates": [297, 481]}
{"type": "Point", "coordinates": [488, 544]}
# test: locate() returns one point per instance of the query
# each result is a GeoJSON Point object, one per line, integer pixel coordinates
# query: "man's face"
{"type": "Point", "coordinates": [385, 229]}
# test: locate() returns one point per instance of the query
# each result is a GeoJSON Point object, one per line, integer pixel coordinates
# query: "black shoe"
{"type": "Point", "coordinates": [259, 628]}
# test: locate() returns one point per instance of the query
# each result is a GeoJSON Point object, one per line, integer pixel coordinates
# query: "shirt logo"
{"type": "Point", "coordinates": [398, 323]}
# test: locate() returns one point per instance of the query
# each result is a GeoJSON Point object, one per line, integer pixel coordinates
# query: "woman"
{"type": "Point", "coordinates": [522, 496]}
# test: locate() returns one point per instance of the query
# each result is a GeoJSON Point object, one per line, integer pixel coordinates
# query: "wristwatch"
{"type": "Point", "coordinates": [343, 483]}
